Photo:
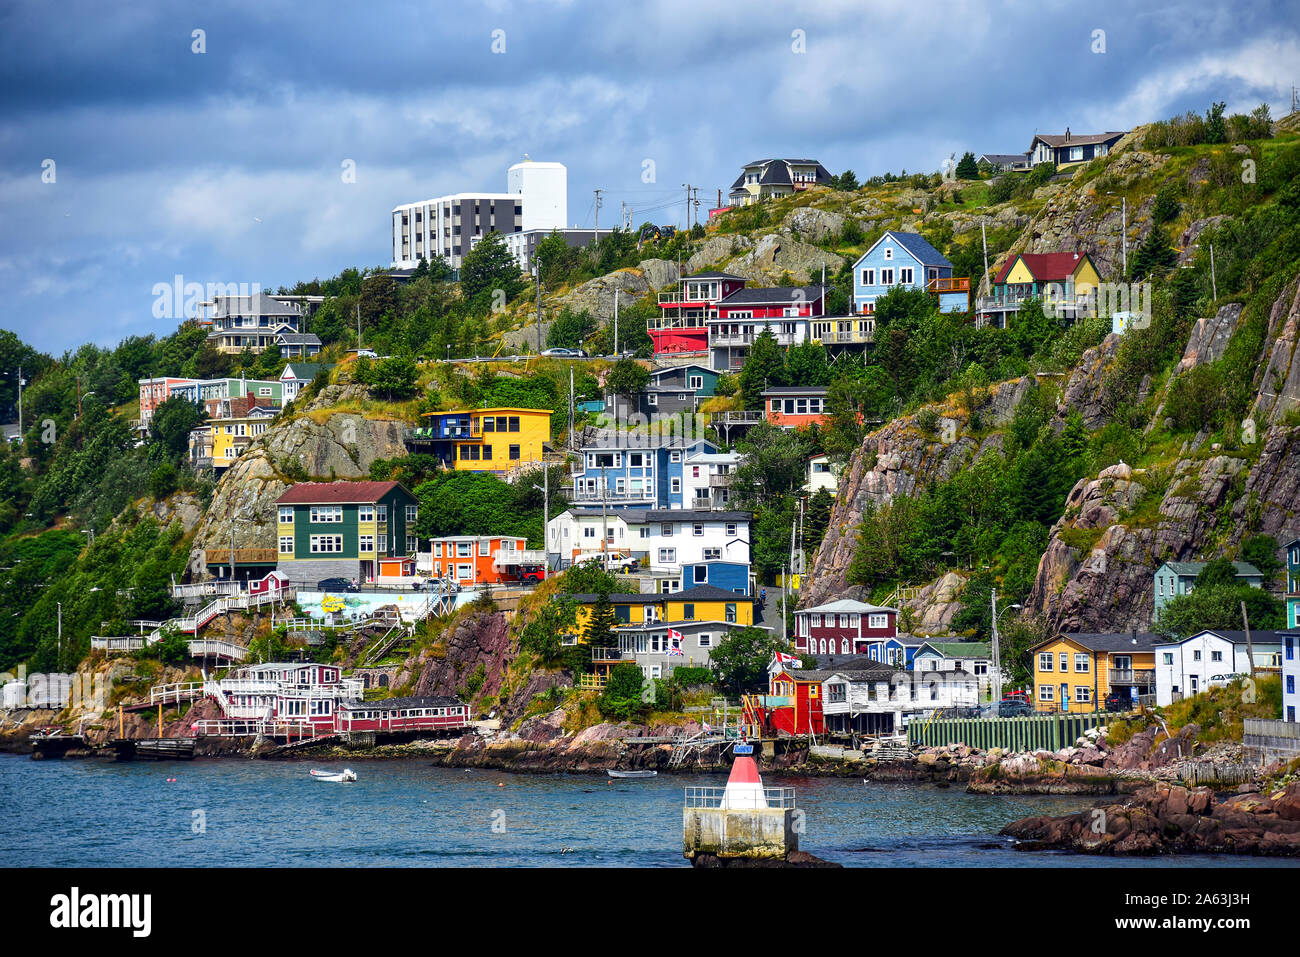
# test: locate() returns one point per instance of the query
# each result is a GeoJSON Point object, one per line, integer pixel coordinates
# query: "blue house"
{"type": "Point", "coordinates": [636, 471]}
{"type": "Point", "coordinates": [900, 651]}
{"type": "Point", "coordinates": [906, 260]}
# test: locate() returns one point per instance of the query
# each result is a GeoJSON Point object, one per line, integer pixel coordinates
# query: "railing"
{"type": "Point", "coordinates": [250, 727]}
{"type": "Point", "coordinates": [217, 648]}
{"type": "Point", "coordinates": [206, 589]}
{"type": "Point", "coordinates": [1129, 676]}
{"type": "Point", "coordinates": [116, 645]}
{"type": "Point", "coordinates": [721, 481]}
{"type": "Point", "coordinates": [523, 556]}
{"type": "Point", "coordinates": [700, 797]}
{"type": "Point", "coordinates": [948, 285]}
{"type": "Point", "coordinates": [841, 336]}
{"type": "Point", "coordinates": [247, 556]}
{"type": "Point", "coordinates": [609, 495]}
{"type": "Point", "coordinates": [611, 654]}
{"type": "Point", "coordinates": [736, 418]}
{"type": "Point", "coordinates": [592, 682]}
{"type": "Point", "coordinates": [176, 693]}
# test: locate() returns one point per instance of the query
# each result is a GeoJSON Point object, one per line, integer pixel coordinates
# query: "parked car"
{"type": "Point", "coordinates": [1119, 701]}
{"type": "Point", "coordinates": [1222, 681]}
{"type": "Point", "coordinates": [612, 562]}
{"type": "Point", "coordinates": [560, 353]}
{"type": "Point", "coordinates": [336, 584]}
{"type": "Point", "coordinates": [1014, 708]}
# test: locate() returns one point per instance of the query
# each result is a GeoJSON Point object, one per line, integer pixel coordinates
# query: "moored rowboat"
{"type": "Point", "coordinates": [344, 776]}
{"type": "Point", "coordinates": [632, 774]}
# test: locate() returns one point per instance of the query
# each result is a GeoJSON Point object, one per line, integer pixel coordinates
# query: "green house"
{"type": "Point", "coordinates": [343, 529]}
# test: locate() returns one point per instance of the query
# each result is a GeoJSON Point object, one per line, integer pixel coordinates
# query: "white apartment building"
{"type": "Point", "coordinates": [449, 226]}
{"type": "Point", "coordinates": [1209, 658]}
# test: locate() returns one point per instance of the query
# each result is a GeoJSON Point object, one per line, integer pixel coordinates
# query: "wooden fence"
{"type": "Point", "coordinates": [1049, 732]}
{"type": "Point", "coordinates": [1217, 774]}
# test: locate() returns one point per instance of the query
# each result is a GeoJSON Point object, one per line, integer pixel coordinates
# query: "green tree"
{"type": "Point", "coordinates": [740, 660]}
{"type": "Point", "coordinates": [622, 697]}
{"type": "Point", "coordinates": [172, 422]}
{"type": "Point", "coordinates": [627, 378]}
{"type": "Point", "coordinates": [968, 168]}
{"type": "Point", "coordinates": [570, 329]}
{"type": "Point", "coordinates": [599, 632]}
{"type": "Point", "coordinates": [487, 267]}
{"type": "Point", "coordinates": [764, 367]}
{"type": "Point", "coordinates": [1219, 607]}
{"type": "Point", "coordinates": [394, 378]}
{"type": "Point", "coordinates": [1217, 573]}
{"type": "Point", "coordinates": [1261, 551]}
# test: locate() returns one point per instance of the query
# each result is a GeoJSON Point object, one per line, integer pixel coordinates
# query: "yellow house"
{"type": "Point", "coordinates": [231, 436]}
{"type": "Point", "coordinates": [485, 440]}
{"type": "Point", "coordinates": [1060, 280]}
{"type": "Point", "coordinates": [1076, 672]}
{"type": "Point", "coordinates": [662, 632]}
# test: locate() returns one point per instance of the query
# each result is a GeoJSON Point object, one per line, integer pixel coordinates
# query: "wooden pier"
{"type": "Point", "coordinates": [154, 749]}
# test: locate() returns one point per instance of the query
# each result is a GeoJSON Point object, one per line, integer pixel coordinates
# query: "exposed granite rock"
{"type": "Point", "coordinates": [658, 272]}
{"type": "Point", "coordinates": [1083, 389]}
{"type": "Point", "coordinates": [1187, 240]}
{"type": "Point", "coordinates": [596, 296]}
{"type": "Point", "coordinates": [937, 604]}
{"type": "Point", "coordinates": [812, 224]}
{"type": "Point", "coordinates": [715, 251]}
{"type": "Point", "coordinates": [1209, 338]}
{"type": "Point", "coordinates": [473, 642]}
{"type": "Point", "coordinates": [182, 507]}
{"type": "Point", "coordinates": [1279, 387]}
{"type": "Point", "coordinates": [776, 254]}
{"type": "Point", "coordinates": [1166, 818]}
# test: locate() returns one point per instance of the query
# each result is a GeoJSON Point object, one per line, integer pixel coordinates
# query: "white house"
{"type": "Point", "coordinates": [973, 657]}
{"type": "Point", "coordinates": [578, 533]}
{"type": "Point", "coordinates": [882, 701]}
{"type": "Point", "coordinates": [822, 475]}
{"type": "Point", "coordinates": [1190, 666]}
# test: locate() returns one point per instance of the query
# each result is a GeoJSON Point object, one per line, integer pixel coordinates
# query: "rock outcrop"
{"type": "Point", "coordinates": [1209, 338]}
{"type": "Point", "coordinates": [596, 296]}
{"type": "Point", "coordinates": [1168, 818]}
{"type": "Point", "coordinates": [715, 251]}
{"type": "Point", "coordinates": [775, 254]}
{"type": "Point", "coordinates": [1279, 390]}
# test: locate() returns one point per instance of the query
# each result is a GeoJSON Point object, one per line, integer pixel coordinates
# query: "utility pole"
{"type": "Point", "coordinates": [1250, 648]}
{"type": "Point", "coordinates": [604, 520]}
{"type": "Point", "coordinates": [358, 330]}
{"type": "Point", "coordinates": [538, 263]}
{"type": "Point", "coordinates": [598, 205]}
{"type": "Point", "coordinates": [546, 513]}
{"type": "Point", "coordinates": [616, 321]}
{"type": "Point", "coordinates": [1124, 229]}
{"type": "Point", "coordinates": [58, 662]}
{"type": "Point", "coordinates": [984, 238]}
{"type": "Point", "coordinates": [1214, 286]}
{"type": "Point", "coordinates": [785, 591]}
{"type": "Point", "coordinates": [996, 650]}
{"type": "Point", "coordinates": [687, 187]}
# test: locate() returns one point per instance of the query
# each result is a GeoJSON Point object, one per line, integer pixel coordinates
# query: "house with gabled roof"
{"type": "Point", "coordinates": [906, 260]}
{"type": "Point", "coordinates": [343, 529]}
{"type": "Point", "coordinates": [1068, 149]}
{"type": "Point", "coordinates": [1179, 578]}
{"type": "Point", "coordinates": [1065, 283]}
{"type": "Point", "coordinates": [251, 322]}
{"type": "Point", "coordinates": [774, 178]}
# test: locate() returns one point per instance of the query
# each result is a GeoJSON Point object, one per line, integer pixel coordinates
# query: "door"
{"type": "Point", "coordinates": [1065, 696]}
{"type": "Point", "coordinates": [1196, 683]}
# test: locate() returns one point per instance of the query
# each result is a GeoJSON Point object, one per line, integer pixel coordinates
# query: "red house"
{"type": "Point", "coordinates": [272, 584]}
{"type": "Point", "coordinates": [794, 704]}
{"type": "Point", "coordinates": [681, 327]}
{"type": "Point", "coordinates": [845, 627]}
{"type": "Point", "coordinates": [796, 407]}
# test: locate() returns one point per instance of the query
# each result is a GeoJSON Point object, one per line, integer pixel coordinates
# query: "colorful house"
{"type": "Point", "coordinates": [1290, 676]}
{"type": "Point", "coordinates": [154, 392]}
{"type": "Point", "coordinates": [796, 407]}
{"type": "Point", "coordinates": [1065, 283]}
{"type": "Point", "coordinates": [298, 375]}
{"type": "Point", "coordinates": [1069, 149]}
{"type": "Point", "coordinates": [670, 391]}
{"type": "Point", "coordinates": [901, 650]}
{"type": "Point", "coordinates": [484, 440]}
{"type": "Point", "coordinates": [341, 529]}
{"type": "Point", "coordinates": [794, 704]}
{"type": "Point", "coordinates": [230, 436]}
{"type": "Point", "coordinates": [680, 328]}
{"type": "Point", "coordinates": [471, 560]}
{"type": "Point", "coordinates": [882, 700]}
{"type": "Point", "coordinates": [1076, 672]}
{"type": "Point", "coordinates": [1179, 578]}
{"type": "Point", "coordinates": [974, 657]}
{"type": "Point", "coordinates": [774, 178]}
{"type": "Point", "coordinates": [907, 261]}
{"type": "Point", "coordinates": [845, 627]}
{"type": "Point", "coordinates": [646, 471]}
{"type": "Point", "coordinates": [662, 632]}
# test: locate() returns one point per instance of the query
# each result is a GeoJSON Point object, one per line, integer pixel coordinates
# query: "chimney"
{"type": "Point", "coordinates": [1067, 134]}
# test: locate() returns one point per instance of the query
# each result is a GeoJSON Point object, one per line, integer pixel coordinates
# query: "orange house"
{"type": "Point", "coordinates": [796, 407]}
{"type": "Point", "coordinates": [486, 559]}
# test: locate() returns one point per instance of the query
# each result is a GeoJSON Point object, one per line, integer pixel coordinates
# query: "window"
{"type": "Point", "coordinates": [326, 544]}
{"type": "Point", "coordinates": [700, 574]}
{"type": "Point", "coordinates": [286, 515]}
{"type": "Point", "coordinates": [1065, 661]}
{"type": "Point", "coordinates": [844, 621]}
{"type": "Point", "coordinates": [667, 556]}
{"type": "Point", "coordinates": [366, 543]}
{"type": "Point", "coordinates": [868, 277]}
{"type": "Point", "coordinates": [1168, 657]}
{"type": "Point", "coordinates": [706, 641]}
{"type": "Point", "coordinates": [666, 530]}
{"type": "Point", "coordinates": [326, 514]}
{"type": "Point", "coordinates": [697, 529]}
{"type": "Point", "coordinates": [382, 544]}
{"type": "Point", "coordinates": [1046, 693]}
{"type": "Point", "coordinates": [514, 423]}
{"type": "Point", "coordinates": [1082, 694]}
{"type": "Point", "coordinates": [1081, 663]}
{"type": "Point", "coordinates": [695, 382]}
{"type": "Point", "coordinates": [412, 511]}
{"type": "Point", "coordinates": [381, 513]}
{"type": "Point", "coordinates": [1196, 655]}
{"type": "Point", "coordinates": [835, 693]}
{"type": "Point", "coordinates": [731, 529]}
{"type": "Point", "coordinates": [286, 544]}
{"type": "Point", "coordinates": [712, 554]}
{"type": "Point", "coordinates": [886, 277]}
{"type": "Point", "coordinates": [905, 275]}
{"type": "Point", "coordinates": [1216, 655]}
{"type": "Point", "coordinates": [1045, 661]}
{"type": "Point", "coordinates": [676, 485]}
{"type": "Point", "coordinates": [366, 513]}
{"type": "Point", "coordinates": [464, 549]}
{"type": "Point", "coordinates": [514, 453]}
{"type": "Point", "coordinates": [674, 456]}
{"type": "Point", "coordinates": [731, 612]}
{"type": "Point", "coordinates": [877, 621]}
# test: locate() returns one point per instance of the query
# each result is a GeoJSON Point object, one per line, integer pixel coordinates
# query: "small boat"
{"type": "Point", "coordinates": [341, 777]}
{"type": "Point", "coordinates": [632, 774]}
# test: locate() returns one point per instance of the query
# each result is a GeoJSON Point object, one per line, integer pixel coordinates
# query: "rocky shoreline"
{"type": "Point", "coordinates": [1168, 819]}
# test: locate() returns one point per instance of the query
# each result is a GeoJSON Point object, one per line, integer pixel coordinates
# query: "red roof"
{"type": "Point", "coordinates": [1045, 267]}
{"type": "Point", "coordinates": [337, 493]}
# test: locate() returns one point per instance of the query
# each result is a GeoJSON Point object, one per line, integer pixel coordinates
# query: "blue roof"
{"type": "Point", "coordinates": [926, 254]}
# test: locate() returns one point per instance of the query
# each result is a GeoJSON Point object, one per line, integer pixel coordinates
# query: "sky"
{"type": "Point", "coordinates": [272, 146]}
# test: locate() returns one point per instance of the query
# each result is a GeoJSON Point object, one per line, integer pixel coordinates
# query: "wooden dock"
{"type": "Point", "coordinates": [154, 749]}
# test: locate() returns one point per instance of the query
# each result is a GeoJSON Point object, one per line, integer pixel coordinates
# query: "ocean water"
{"type": "Point", "coordinates": [240, 812]}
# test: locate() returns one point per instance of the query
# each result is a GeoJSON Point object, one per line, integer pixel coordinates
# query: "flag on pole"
{"type": "Point", "coordinates": [783, 659]}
